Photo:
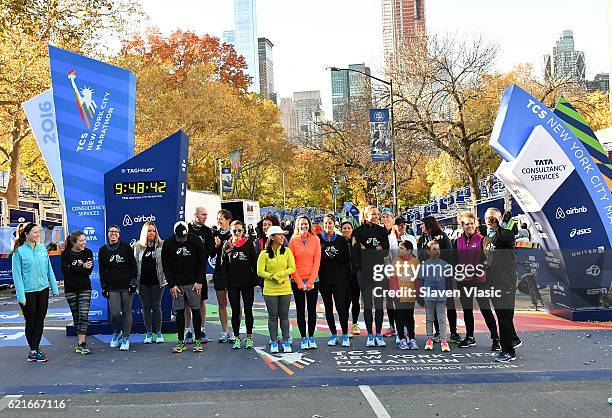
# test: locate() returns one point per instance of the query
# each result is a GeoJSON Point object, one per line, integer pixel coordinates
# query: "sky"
{"type": "Point", "coordinates": [310, 35]}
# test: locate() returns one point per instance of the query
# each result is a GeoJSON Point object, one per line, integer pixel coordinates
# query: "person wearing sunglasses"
{"type": "Point", "coordinates": [118, 278]}
{"type": "Point", "coordinates": [239, 268]}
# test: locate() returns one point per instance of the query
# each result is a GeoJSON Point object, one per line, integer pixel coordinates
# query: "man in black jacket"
{"type": "Point", "coordinates": [501, 273]}
{"type": "Point", "coordinates": [198, 228]}
{"type": "Point", "coordinates": [183, 263]}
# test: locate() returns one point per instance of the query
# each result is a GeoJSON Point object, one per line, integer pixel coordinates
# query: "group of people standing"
{"type": "Point", "coordinates": [338, 263]}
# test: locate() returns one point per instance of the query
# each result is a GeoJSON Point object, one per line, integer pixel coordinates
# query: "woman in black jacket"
{"type": "Point", "coordinates": [118, 281]}
{"type": "Point", "coordinates": [431, 231]}
{"type": "Point", "coordinates": [239, 271]}
{"type": "Point", "coordinates": [332, 279]}
{"type": "Point", "coordinates": [77, 264]}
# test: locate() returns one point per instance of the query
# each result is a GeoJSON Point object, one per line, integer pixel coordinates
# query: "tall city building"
{"type": "Point", "coordinates": [565, 62]}
{"type": "Point", "coordinates": [309, 113]}
{"type": "Point", "coordinates": [288, 118]}
{"type": "Point", "coordinates": [402, 20]}
{"type": "Point", "coordinates": [601, 83]}
{"type": "Point", "coordinates": [245, 27]}
{"type": "Point", "coordinates": [229, 36]}
{"type": "Point", "coordinates": [348, 88]}
{"type": "Point", "coordinates": [266, 69]}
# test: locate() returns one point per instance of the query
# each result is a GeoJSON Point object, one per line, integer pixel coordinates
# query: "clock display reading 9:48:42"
{"type": "Point", "coordinates": [140, 187]}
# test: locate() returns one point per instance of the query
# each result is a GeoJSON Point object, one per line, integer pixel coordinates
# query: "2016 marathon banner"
{"type": "Point", "coordinates": [554, 171]}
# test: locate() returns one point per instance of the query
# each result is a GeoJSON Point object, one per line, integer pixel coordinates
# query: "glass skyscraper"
{"type": "Point", "coordinates": [245, 22]}
{"type": "Point", "coordinates": [565, 62]}
{"type": "Point", "coordinates": [349, 87]}
{"type": "Point", "coordinates": [266, 69]}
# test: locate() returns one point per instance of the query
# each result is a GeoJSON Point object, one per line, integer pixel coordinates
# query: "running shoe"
{"type": "Point", "coordinates": [287, 347]}
{"type": "Point", "coordinates": [346, 341]}
{"type": "Point", "coordinates": [82, 349]}
{"type": "Point", "coordinates": [148, 338]}
{"type": "Point", "coordinates": [203, 338]}
{"type": "Point", "coordinates": [304, 344]}
{"type": "Point", "coordinates": [273, 347]}
{"type": "Point", "coordinates": [505, 357]}
{"type": "Point", "coordinates": [355, 330]}
{"type": "Point", "coordinates": [37, 356]}
{"type": "Point", "coordinates": [237, 345]}
{"type": "Point", "coordinates": [467, 342]}
{"type": "Point", "coordinates": [429, 344]}
{"type": "Point", "coordinates": [333, 340]}
{"type": "Point", "coordinates": [197, 347]}
{"type": "Point", "coordinates": [312, 344]}
{"type": "Point", "coordinates": [223, 337]}
{"type": "Point", "coordinates": [436, 337]}
{"type": "Point", "coordinates": [189, 337]}
{"type": "Point", "coordinates": [116, 340]}
{"type": "Point", "coordinates": [248, 343]}
{"type": "Point", "coordinates": [125, 344]}
{"type": "Point", "coordinates": [403, 345]}
{"type": "Point", "coordinates": [160, 338]}
{"type": "Point", "coordinates": [179, 347]}
{"type": "Point", "coordinates": [370, 341]}
{"type": "Point", "coordinates": [380, 341]}
{"type": "Point", "coordinates": [516, 342]}
{"type": "Point", "coordinates": [389, 332]}
{"type": "Point", "coordinates": [495, 345]}
{"type": "Point", "coordinates": [413, 344]}
{"type": "Point", "coordinates": [397, 339]}
{"type": "Point", "coordinates": [444, 345]}
{"type": "Point", "coordinates": [230, 337]}
{"type": "Point", "coordinates": [455, 338]}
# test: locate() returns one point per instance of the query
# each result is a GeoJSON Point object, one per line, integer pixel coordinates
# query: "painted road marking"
{"type": "Point", "coordinates": [374, 402]}
{"type": "Point", "coordinates": [4, 402]}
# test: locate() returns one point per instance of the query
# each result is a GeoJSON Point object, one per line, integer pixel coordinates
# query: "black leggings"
{"type": "Point", "coordinates": [370, 301]}
{"type": "Point", "coordinates": [391, 311]}
{"type": "Point", "coordinates": [248, 295]}
{"type": "Point", "coordinates": [338, 292]}
{"type": "Point", "coordinates": [180, 324]}
{"type": "Point", "coordinates": [352, 299]}
{"type": "Point", "coordinates": [451, 314]}
{"type": "Point", "coordinates": [302, 301]}
{"type": "Point", "coordinates": [34, 313]}
{"type": "Point", "coordinates": [405, 319]}
{"type": "Point", "coordinates": [467, 303]}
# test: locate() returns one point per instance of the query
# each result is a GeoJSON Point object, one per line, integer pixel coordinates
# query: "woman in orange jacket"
{"type": "Point", "coordinates": [306, 249]}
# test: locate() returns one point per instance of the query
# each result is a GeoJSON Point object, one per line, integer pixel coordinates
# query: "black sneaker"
{"type": "Point", "coordinates": [495, 345]}
{"type": "Point", "coordinates": [516, 342]}
{"type": "Point", "coordinates": [454, 338]}
{"type": "Point", "coordinates": [467, 342]}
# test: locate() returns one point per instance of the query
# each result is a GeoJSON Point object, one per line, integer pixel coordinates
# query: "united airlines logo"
{"type": "Point", "coordinates": [85, 101]}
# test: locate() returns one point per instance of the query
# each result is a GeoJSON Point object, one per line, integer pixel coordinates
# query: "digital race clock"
{"type": "Point", "coordinates": [139, 187]}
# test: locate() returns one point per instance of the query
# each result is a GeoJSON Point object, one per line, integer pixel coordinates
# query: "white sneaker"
{"type": "Point", "coordinates": [116, 340]}
{"type": "Point", "coordinates": [160, 338]}
{"type": "Point", "coordinates": [287, 347]}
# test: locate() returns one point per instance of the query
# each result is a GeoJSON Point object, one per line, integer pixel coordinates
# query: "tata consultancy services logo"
{"type": "Point", "coordinates": [90, 233]}
{"type": "Point", "coordinates": [284, 361]}
{"type": "Point", "coordinates": [85, 101]}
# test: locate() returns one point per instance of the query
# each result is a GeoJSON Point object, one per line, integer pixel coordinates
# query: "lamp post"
{"type": "Point", "coordinates": [391, 110]}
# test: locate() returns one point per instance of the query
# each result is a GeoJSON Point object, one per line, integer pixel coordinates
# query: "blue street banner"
{"type": "Point", "coordinates": [380, 135]}
{"type": "Point", "coordinates": [353, 212]}
{"type": "Point", "coordinates": [95, 105]}
{"type": "Point", "coordinates": [226, 179]}
{"type": "Point", "coordinates": [554, 171]}
{"type": "Point", "coordinates": [40, 112]}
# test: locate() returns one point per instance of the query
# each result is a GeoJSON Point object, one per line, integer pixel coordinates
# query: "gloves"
{"type": "Point", "coordinates": [105, 293]}
{"type": "Point", "coordinates": [132, 289]}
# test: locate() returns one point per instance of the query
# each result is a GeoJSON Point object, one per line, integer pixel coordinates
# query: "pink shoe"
{"type": "Point", "coordinates": [444, 345]}
{"type": "Point", "coordinates": [429, 344]}
{"type": "Point", "coordinates": [390, 332]}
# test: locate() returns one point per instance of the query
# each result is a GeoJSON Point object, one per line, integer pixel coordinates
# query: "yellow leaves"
{"type": "Point", "coordinates": [444, 174]}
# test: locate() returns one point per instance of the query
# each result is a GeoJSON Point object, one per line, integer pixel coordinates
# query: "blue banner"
{"type": "Point", "coordinates": [41, 115]}
{"type": "Point", "coordinates": [380, 135]}
{"type": "Point", "coordinates": [226, 179]}
{"type": "Point", "coordinates": [95, 105]}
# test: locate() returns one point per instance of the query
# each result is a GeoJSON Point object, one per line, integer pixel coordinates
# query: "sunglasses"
{"type": "Point", "coordinates": [237, 231]}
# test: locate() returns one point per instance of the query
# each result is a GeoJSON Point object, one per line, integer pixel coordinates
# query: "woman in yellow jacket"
{"type": "Point", "coordinates": [274, 265]}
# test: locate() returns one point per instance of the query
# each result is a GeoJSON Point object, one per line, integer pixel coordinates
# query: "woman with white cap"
{"type": "Point", "coordinates": [274, 265]}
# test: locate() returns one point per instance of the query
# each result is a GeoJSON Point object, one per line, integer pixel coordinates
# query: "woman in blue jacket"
{"type": "Point", "coordinates": [32, 276]}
